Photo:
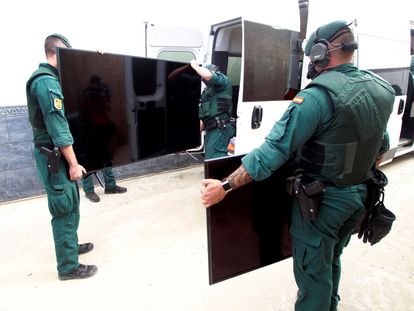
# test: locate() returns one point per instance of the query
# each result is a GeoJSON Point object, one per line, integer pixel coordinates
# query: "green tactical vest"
{"type": "Point", "coordinates": [214, 102]}
{"type": "Point", "coordinates": [345, 153]}
{"type": "Point", "coordinates": [35, 113]}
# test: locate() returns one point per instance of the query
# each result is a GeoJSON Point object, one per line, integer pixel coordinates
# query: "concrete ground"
{"type": "Point", "coordinates": [151, 252]}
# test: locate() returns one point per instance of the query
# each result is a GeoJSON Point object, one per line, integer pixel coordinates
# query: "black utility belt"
{"type": "Point", "coordinates": [218, 124]}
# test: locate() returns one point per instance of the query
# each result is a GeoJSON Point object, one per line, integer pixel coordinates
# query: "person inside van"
{"type": "Point", "coordinates": [215, 110]}
{"type": "Point", "coordinates": [335, 129]}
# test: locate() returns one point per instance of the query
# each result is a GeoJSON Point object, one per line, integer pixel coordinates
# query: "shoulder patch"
{"type": "Point", "coordinates": [298, 100]}
{"type": "Point", "coordinates": [57, 103]}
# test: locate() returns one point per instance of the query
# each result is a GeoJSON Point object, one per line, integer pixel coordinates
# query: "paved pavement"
{"type": "Point", "coordinates": [151, 252]}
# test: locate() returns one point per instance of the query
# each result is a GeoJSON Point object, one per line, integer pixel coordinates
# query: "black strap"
{"type": "Point", "coordinates": [218, 124]}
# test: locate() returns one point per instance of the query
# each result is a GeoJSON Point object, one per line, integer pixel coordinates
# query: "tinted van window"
{"type": "Point", "coordinates": [266, 62]}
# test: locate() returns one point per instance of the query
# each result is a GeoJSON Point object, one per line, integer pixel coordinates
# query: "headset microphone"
{"type": "Point", "coordinates": [349, 46]}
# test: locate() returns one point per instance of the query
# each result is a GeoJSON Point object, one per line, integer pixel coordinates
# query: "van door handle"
{"type": "Point", "coordinates": [257, 116]}
{"type": "Point", "coordinates": [401, 106]}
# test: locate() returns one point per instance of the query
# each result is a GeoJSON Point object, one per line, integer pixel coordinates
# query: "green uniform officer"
{"type": "Point", "coordinates": [336, 128]}
{"type": "Point", "coordinates": [215, 110]}
{"type": "Point", "coordinates": [57, 173]}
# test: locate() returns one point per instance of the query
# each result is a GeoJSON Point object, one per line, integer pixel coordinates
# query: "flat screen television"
{"type": "Point", "coordinates": [249, 229]}
{"type": "Point", "coordinates": [123, 109]}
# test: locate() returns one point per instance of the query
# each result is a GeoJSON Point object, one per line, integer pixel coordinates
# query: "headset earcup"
{"type": "Point", "coordinates": [319, 54]}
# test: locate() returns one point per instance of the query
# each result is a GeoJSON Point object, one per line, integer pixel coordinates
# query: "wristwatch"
{"type": "Point", "coordinates": [226, 186]}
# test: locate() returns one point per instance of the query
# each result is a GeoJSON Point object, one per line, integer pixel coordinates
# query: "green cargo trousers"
{"type": "Point", "coordinates": [63, 203]}
{"type": "Point", "coordinates": [217, 140]}
{"type": "Point", "coordinates": [317, 246]}
{"type": "Point", "coordinates": [109, 180]}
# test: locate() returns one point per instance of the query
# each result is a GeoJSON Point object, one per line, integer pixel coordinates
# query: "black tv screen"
{"type": "Point", "coordinates": [249, 229]}
{"type": "Point", "coordinates": [123, 109]}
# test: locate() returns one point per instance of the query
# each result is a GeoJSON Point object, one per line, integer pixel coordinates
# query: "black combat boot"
{"type": "Point", "coordinates": [92, 196]}
{"type": "Point", "coordinates": [116, 189]}
{"type": "Point", "coordinates": [81, 272]}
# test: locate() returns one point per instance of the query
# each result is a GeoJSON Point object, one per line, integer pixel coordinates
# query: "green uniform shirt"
{"type": "Point", "coordinates": [45, 105]}
{"type": "Point", "coordinates": [216, 99]}
{"type": "Point", "coordinates": [219, 82]}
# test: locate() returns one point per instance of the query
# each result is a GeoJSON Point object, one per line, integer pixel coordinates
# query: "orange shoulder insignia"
{"type": "Point", "coordinates": [298, 100]}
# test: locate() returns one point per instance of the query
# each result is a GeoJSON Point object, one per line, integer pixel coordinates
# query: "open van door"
{"type": "Point", "coordinates": [180, 44]}
{"type": "Point", "coordinates": [262, 60]}
{"type": "Point", "coordinates": [249, 229]}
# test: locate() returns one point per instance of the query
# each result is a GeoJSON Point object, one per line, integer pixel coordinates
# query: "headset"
{"type": "Point", "coordinates": [319, 54]}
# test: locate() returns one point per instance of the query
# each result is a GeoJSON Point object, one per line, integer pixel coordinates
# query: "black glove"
{"type": "Point", "coordinates": [364, 228]}
{"type": "Point", "coordinates": [376, 224]}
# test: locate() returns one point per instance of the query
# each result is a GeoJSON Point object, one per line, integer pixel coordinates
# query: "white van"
{"type": "Point", "coordinates": [264, 60]}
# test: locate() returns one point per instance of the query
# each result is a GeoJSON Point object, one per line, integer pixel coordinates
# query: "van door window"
{"type": "Point", "coordinates": [233, 69]}
{"type": "Point", "coordinates": [268, 55]}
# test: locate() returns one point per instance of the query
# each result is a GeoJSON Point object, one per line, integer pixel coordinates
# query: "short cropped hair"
{"type": "Point", "coordinates": [50, 45]}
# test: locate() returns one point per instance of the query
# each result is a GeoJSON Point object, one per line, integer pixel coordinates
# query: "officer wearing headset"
{"type": "Point", "coordinates": [215, 110]}
{"type": "Point", "coordinates": [335, 127]}
{"type": "Point", "coordinates": [57, 166]}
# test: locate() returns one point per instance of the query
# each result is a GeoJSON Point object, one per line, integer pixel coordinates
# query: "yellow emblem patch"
{"type": "Point", "coordinates": [57, 103]}
{"type": "Point", "coordinates": [298, 100]}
